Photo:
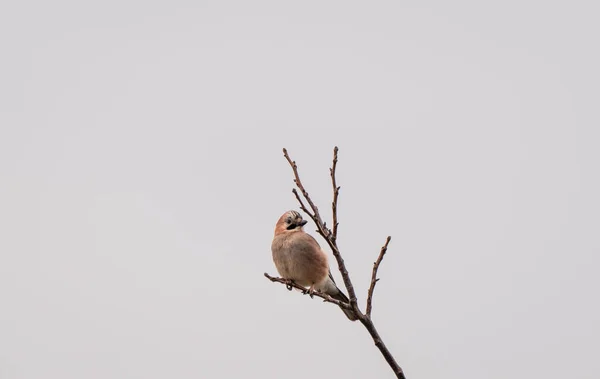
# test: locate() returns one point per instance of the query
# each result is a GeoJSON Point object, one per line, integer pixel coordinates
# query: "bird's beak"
{"type": "Point", "coordinates": [303, 222]}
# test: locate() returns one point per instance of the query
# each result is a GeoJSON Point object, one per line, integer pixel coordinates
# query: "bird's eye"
{"type": "Point", "coordinates": [288, 220]}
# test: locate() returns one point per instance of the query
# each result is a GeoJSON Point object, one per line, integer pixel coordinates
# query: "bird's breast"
{"type": "Point", "coordinates": [297, 256]}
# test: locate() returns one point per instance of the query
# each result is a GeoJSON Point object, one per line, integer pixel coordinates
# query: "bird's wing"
{"type": "Point", "coordinates": [310, 240]}
{"type": "Point", "coordinates": [331, 276]}
{"type": "Point", "coordinates": [314, 241]}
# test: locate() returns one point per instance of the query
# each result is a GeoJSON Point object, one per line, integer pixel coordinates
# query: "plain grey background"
{"type": "Point", "coordinates": [142, 175]}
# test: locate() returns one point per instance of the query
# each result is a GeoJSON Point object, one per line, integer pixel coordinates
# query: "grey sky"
{"type": "Point", "coordinates": [141, 176]}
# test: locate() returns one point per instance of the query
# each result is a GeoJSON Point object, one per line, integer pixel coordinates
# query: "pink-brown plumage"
{"type": "Point", "coordinates": [298, 256]}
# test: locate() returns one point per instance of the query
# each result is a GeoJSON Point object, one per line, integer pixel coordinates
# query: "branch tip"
{"type": "Point", "coordinates": [374, 278]}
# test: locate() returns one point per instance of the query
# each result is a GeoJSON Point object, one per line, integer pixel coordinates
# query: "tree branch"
{"type": "Point", "coordinates": [389, 358]}
{"type": "Point", "coordinates": [331, 238]}
{"type": "Point", "coordinates": [326, 298]}
{"type": "Point", "coordinates": [336, 192]}
{"type": "Point", "coordinates": [315, 217]}
{"type": "Point", "coordinates": [323, 231]}
{"type": "Point", "coordinates": [374, 279]}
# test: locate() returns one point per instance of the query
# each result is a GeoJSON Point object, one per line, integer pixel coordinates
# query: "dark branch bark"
{"type": "Point", "coordinates": [331, 238]}
{"type": "Point", "coordinates": [374, 279]}
{"type": "Point", "coordinates": [336, 192]}
{"type": "Point", "coordinates": [290, 284]}
{"type": "Point", "coordinates": [389, 358]}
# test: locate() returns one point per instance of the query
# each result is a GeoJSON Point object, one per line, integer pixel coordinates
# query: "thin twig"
{"type": "Point", "coordinates": [302, 207]}
{"type": "Point", "coordinates": [326, 298]}
{"type": "Point", "coordinates": [301, 188]}
{"type": "Point", "coordinates": [374, 279]}
{"type": "Point", "coordinates": [336, 192]}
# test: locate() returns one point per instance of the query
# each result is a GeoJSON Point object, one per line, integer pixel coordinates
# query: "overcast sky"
{"type": "Point", "coordinates": [141, 177]}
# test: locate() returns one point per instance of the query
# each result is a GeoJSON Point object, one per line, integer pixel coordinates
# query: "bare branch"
{"type": "Point", "coordinates": [304, 193]}
{"type": "Point", "coordinates": [326, 298]}
{"type": "Point", "coordinates": [374, 279]}
{"type": "Point", "coordinates": [389, 358]}
{"type": "Point", "coordinates": [336, 192]}
{"type": "Point", "coordinates": [331, 237]}
{"type": "Point", "coordinates": [324, 232]}
{"type": "Point", "coordinates": [302, 206]}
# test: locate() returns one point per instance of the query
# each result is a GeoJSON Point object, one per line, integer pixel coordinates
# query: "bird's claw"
{"type": "Point", "coordinates": [310, 291]}
{"type": "Point", "coordinates": [288, 284]}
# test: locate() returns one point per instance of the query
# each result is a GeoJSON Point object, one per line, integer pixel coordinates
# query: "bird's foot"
{"type": "Point", "coordinates": [288, 284]}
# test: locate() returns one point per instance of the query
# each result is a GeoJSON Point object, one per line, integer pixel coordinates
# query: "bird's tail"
{"type": "Point", "coordinates": [348, 312]}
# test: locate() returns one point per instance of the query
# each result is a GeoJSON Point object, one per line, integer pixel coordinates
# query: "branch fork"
{"type": "Point", "coordinates": [330, 236]}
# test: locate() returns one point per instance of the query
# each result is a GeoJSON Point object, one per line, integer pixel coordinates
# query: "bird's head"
{"type": "Point", "coordinates": [288, 222]}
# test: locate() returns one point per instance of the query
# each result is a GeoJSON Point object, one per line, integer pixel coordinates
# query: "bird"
{"type": "Point", "coordinates": [299, 258]}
